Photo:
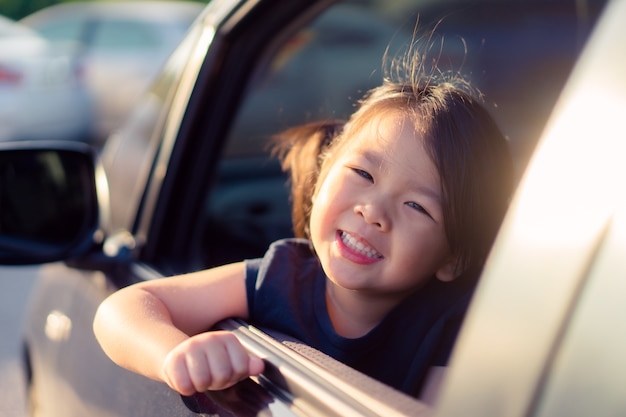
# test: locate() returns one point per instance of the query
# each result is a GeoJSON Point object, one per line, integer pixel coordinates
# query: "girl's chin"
{"type": "Point", "coordinates": [346, 274]}
{"type": "Point", "coordinates": [345, 284]}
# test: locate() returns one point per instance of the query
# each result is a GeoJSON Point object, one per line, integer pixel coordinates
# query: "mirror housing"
{"type": "Point", "coordinates": [48, 201]}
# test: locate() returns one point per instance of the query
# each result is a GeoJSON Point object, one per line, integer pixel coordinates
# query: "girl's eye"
{"type": "Point", "coordinates": [418, 208]}
{"type": "Point", "coordinates": [363, 174]}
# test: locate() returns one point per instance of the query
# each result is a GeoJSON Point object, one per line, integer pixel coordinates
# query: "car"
{"type": "Point", "coordinates": [42, 95]}
{"type": "Point", "coordinates": [121, 46]}
{"type": "Point", "coordinates": [178, 189]}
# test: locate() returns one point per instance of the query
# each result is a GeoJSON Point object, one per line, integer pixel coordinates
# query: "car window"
{"type": "Point", "coordinates": [128, 154]}
{"type": "Point", "coordinates": [318, 72]}
{"type": "Point", "coordinates": [517, 53]}
{"type": "Point", "coordinates": [124, 35]}
{"type": "Point", "coordinates": [62, 30]}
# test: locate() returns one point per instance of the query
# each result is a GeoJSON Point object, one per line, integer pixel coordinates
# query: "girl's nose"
{"type": "Point", "coordinates": [374, 213]}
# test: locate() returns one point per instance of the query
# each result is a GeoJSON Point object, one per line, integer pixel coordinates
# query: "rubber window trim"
{"type": "Point", "coordinates": [318, 382]}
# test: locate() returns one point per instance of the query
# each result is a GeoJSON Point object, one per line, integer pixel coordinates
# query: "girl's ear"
{"type": "Point", "coordinates": [448, 271]}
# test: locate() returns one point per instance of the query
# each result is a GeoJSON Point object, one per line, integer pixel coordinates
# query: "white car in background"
{"type": "Point", "coordinates": [121, 45]}
{"type": "Point", "coordinates": [41, 94]}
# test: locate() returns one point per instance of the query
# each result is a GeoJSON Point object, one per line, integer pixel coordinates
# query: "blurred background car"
{"type": "Point", "coordinates": [41, 91]}
{"type": "Point", "coordinates": [121, 47]}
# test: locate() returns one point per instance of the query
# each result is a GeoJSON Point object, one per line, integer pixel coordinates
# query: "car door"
{"type": "Point", "coordinates": [153, 172]}
{"type": "Point", "coordinates": [191, 183]}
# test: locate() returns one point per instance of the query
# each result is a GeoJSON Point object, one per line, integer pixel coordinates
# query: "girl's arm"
{"type": "Point", "coordinates": [155, 328]}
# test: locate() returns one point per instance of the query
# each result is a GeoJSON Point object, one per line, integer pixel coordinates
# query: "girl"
{"type": "Point", "coordinates": [399, 208]}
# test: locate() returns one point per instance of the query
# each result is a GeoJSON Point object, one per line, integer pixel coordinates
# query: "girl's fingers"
{"type": "Point", "coordinates": [176, 375]}
{"type": "Point", "coordinates": [255, 365]}
{"type": "Point", "coordinates": [229, 361]}
{"type": "Point", "coordinates": [198, 369]}
{"type": "Point", "coordinates": [220, 368]}
{"type": "Point", "coordinates": [210, 361]}
{"type": "Point", "coordinates": [239, 359]}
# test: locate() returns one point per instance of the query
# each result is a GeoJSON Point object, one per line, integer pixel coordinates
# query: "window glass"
{"type": "Point", "coordinates": [63, 30]}
{"type": "Point", "coordinates": [124, 35]}
{"type": "Point", "coordinates": [129, 153]}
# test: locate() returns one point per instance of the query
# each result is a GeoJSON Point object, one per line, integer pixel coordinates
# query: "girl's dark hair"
{"type": "Point", "coordinates": [465, 144]}
{"type": "Point", "coordinates": [300, 151]}
{"type": "Point", "coordinates": [469, 151]}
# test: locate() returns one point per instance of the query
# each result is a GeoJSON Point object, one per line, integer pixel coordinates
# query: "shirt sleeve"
{"type": "Point", "coordinates": [275, 283]}
{"type": "Point", "coordinates": [252, 272]}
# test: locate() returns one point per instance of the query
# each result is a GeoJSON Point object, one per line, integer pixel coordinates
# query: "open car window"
{"type": "Point", "coordinates": [517, 53]}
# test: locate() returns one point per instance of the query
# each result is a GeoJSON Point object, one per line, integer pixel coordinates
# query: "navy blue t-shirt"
{"type": "Point", "coordinates": [286, 293]}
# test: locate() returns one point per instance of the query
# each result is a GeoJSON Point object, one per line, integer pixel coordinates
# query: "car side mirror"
{"type": "Point", "coordinates": [48, 201]}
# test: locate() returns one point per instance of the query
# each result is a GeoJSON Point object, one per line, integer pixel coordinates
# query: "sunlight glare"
{"type": "Point", "coordinates": [581, 189]}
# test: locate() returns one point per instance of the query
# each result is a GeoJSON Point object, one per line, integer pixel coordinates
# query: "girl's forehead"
{"type": "Point", "coordinates": [391, 141]}
{"type": "Point", "coordinates": [384, 132]}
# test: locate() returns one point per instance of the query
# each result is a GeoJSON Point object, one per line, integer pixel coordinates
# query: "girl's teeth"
{"type": "Point", "coordinates": [357, 246]}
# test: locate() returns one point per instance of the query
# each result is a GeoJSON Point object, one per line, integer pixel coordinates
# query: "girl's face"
{"type": "Point", "coordinates": [377, 222]}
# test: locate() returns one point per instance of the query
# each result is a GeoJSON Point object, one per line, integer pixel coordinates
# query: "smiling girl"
{"type": "Point", "coordinates": [401, 209]}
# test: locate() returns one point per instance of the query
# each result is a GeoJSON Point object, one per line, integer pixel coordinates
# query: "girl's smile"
{"type": "Point", "coordinates": [356, 249]}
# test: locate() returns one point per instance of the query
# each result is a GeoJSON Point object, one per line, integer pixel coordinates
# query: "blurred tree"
{"type": "Point", "coordinates": [17, 9]}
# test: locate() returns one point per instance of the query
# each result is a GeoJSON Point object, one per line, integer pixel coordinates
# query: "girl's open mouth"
{"type": "Point", "coordinates": [359, 250]}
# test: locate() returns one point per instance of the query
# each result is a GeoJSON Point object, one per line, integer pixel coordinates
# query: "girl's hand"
{"type": "Point", "coordinates": [208, 361]}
